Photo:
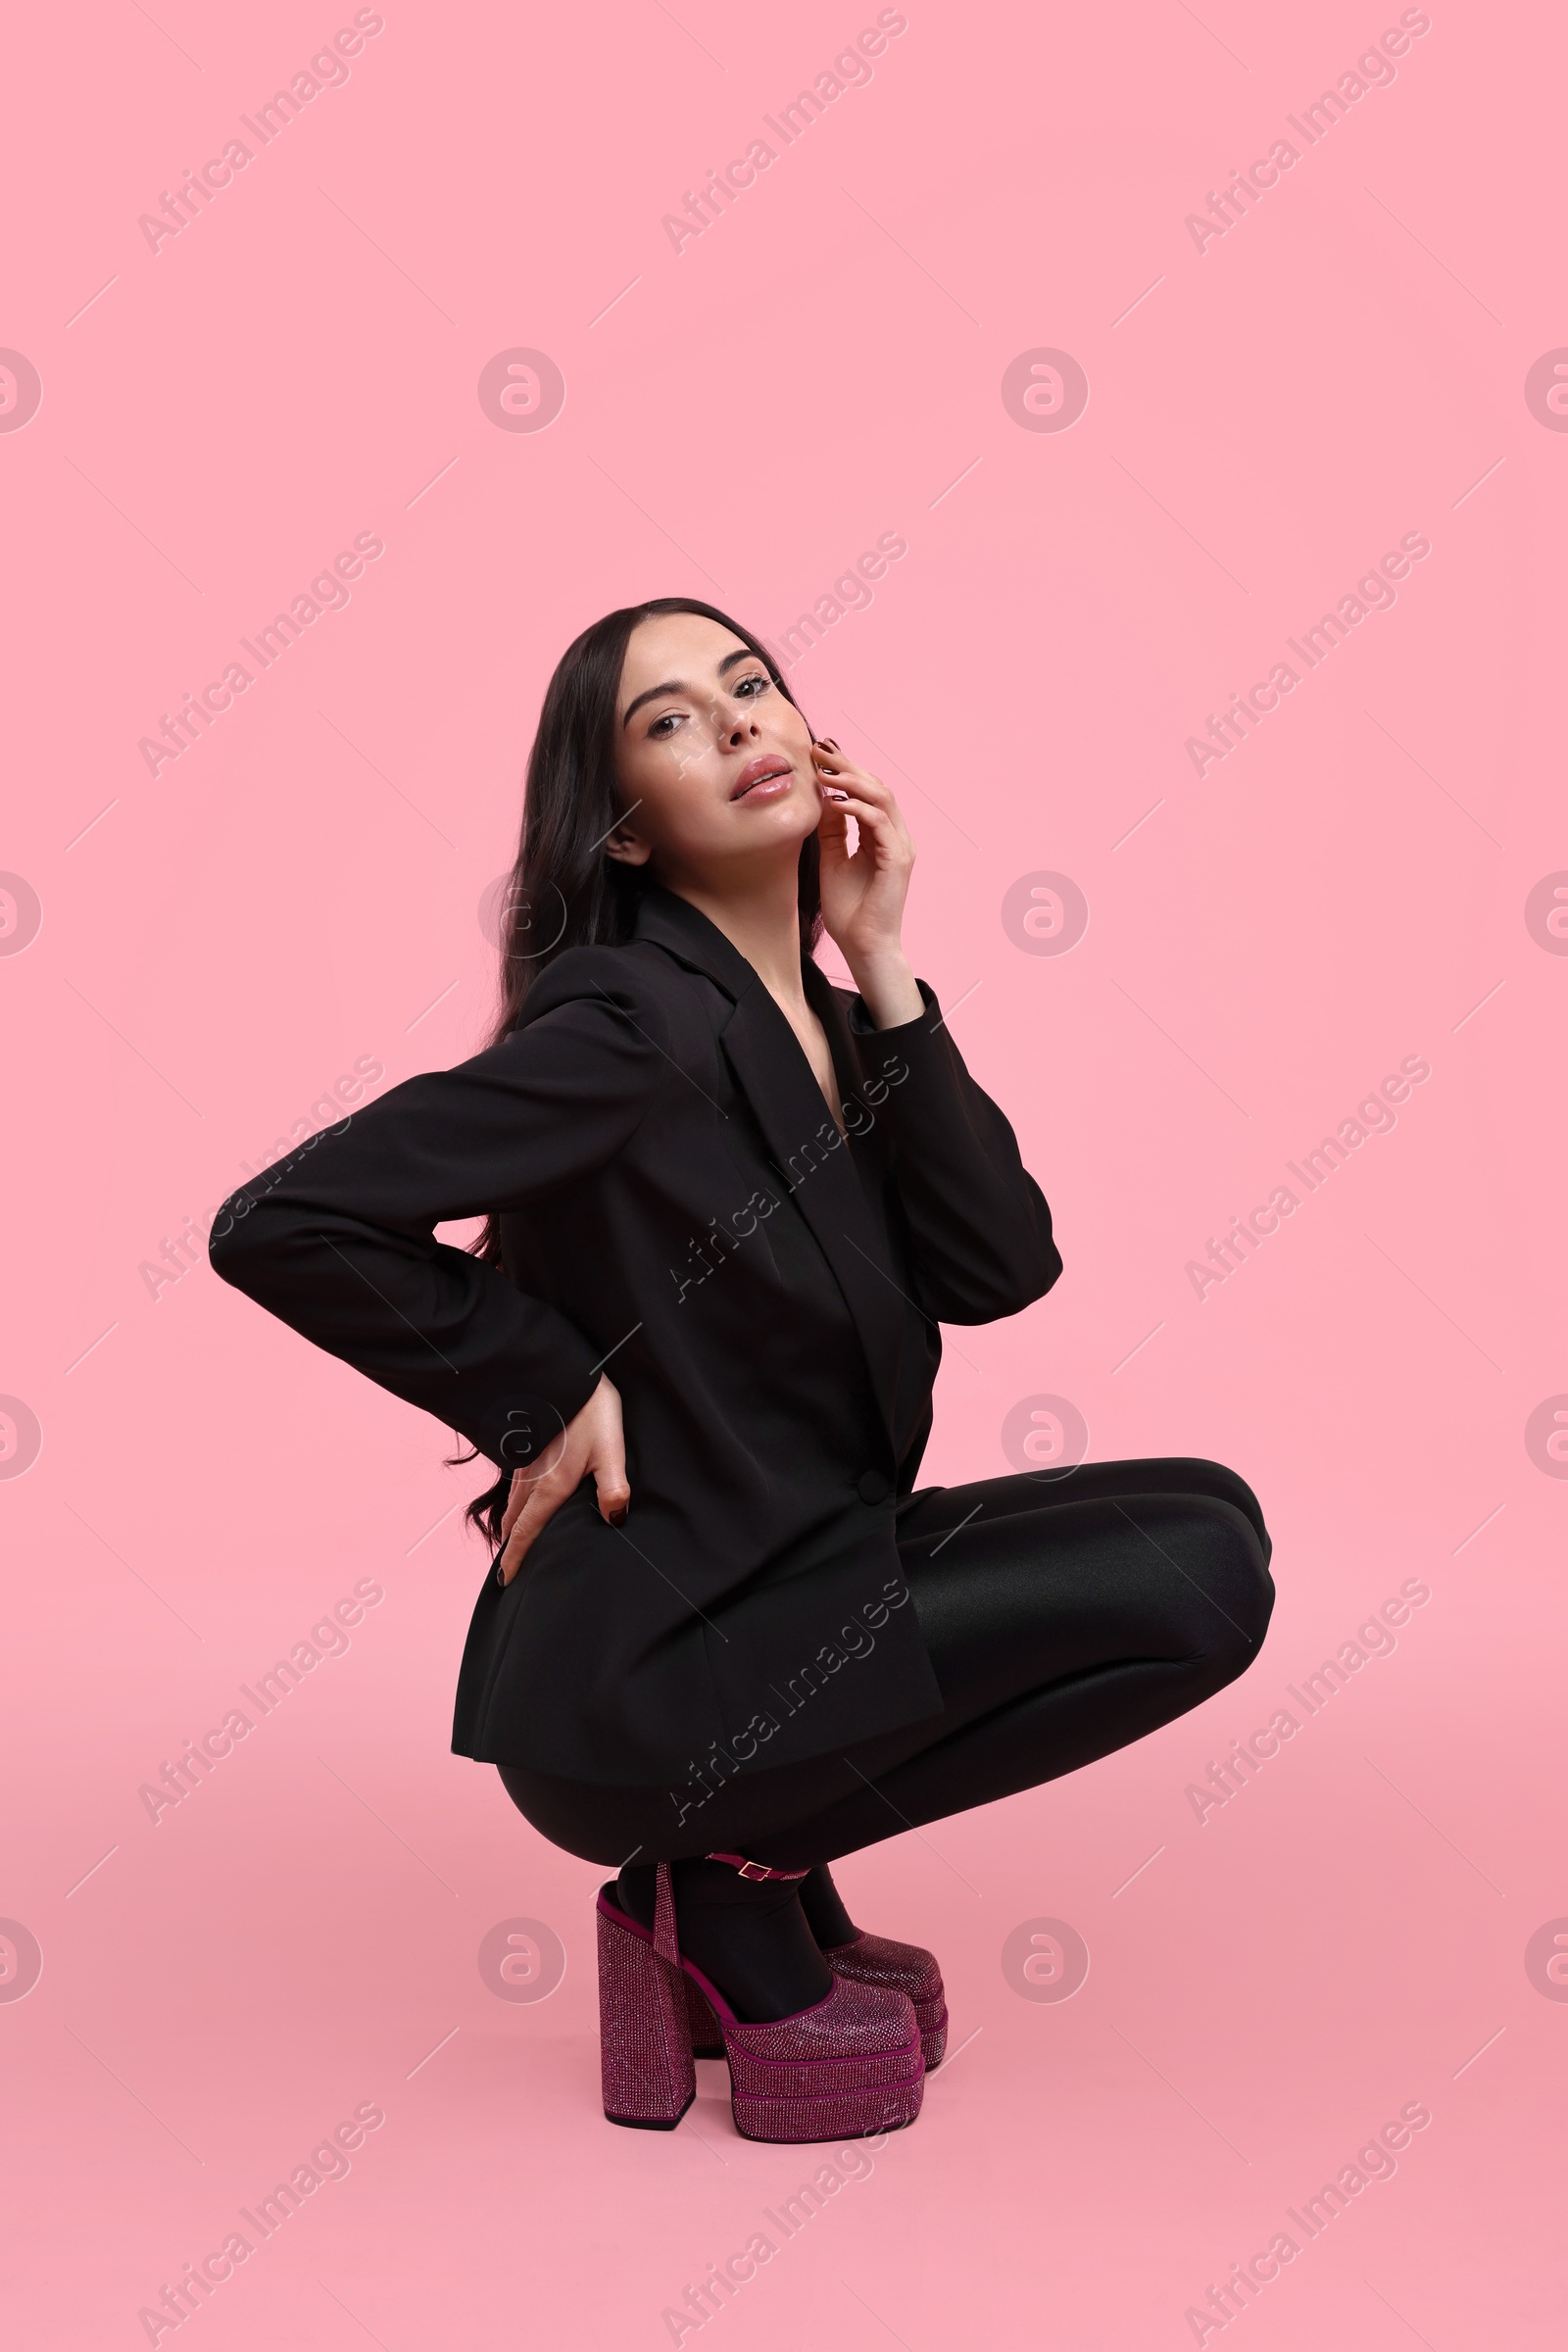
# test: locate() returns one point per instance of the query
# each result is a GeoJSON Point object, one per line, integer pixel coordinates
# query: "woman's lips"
{"type": "Point", "coordinates": [758, 775]}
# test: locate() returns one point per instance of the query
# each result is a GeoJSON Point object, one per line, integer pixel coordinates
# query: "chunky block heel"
{"type": "Point", "coordinates": [706, 2040]}
{"type": "Point", "coordinates": [848, 2065]}
{"type": "Point", "coordinates": [645, 2042]}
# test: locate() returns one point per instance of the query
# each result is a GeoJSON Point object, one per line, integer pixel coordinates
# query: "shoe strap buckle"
{"type": "Point", "coordinates": [756, 1869]}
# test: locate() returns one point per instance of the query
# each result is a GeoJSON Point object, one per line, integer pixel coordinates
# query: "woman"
{"type": "Point", "coordinates": [726, 1640]}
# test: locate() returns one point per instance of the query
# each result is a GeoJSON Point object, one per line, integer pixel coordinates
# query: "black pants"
{"type": "Point", "coordinates": [1065, 1617]}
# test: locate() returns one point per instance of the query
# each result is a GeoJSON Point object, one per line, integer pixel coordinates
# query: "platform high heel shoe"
{"type": "Point", "coordinates": [849, 2065]}
{"type": "Point", "coordinates": [863, 1959]}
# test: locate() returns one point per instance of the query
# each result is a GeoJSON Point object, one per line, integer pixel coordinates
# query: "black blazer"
{"type": "Point", "coordinates": [678, 1208]}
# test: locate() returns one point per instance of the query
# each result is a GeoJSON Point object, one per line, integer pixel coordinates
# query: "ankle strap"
{"type": "Point", "coordinates": [756, 1869]}
{"type": "Point", "coordinates": [666, 1943]}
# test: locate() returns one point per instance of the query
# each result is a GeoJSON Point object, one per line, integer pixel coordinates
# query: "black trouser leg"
{"type": "Point", "coordinates": [1061, 1630]}
{"type": "Point", "coordinates": [1064, 1617]}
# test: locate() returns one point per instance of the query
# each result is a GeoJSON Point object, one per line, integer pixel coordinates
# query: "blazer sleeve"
{"type": "Point", "coordinates": [977, 1224]}
{"type": "Point", "coordinates": [337, 1238]}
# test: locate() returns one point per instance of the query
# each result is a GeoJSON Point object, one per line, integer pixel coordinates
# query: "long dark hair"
{"type": "Point", "coordinates": [565, 890]}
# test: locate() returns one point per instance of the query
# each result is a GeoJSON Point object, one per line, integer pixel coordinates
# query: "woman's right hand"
{"type": "Point", "coordinates": [595, 1444]}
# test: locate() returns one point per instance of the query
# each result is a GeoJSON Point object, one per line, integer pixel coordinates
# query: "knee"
{"type": "Point", "coordinates": [1241, 1586]}
{"type": "Point", "coordinates": [1223, 1589]}
{"type": "Point", "coordinates": [1228, 1486]}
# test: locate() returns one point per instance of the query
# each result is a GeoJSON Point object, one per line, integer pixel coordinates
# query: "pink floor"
{"type": "Point", "coordinates": [1109, 455]}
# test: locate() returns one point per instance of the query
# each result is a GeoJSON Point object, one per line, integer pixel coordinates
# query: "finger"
{"type": "Point", "coordinates": [839, 784]}
{"type": "Point", "coordinates": [834, 822]}
{"type": "Point", "coordinates": [524, 1482]}
{"type": "Point", "coordinates": [833, 837]}
{"type": "Point", "coordinates": [511, 1557]}
{"type": "Point", "coordinates": [843, 770]}
{"type": "Point", "coordinates": [884, 825]}
{"type": "Point", "coordinates": [540, 1507]}
{"type": "Point", "coordinates": [610, 1482]}
{"type": "Point", "coordinates": [844, 784]}
{"type": "Point", "coordinates": [516, 1496]}
{"type": "Point", "coordinates": [614, 1498]}
{"type": "Point", "coordinates": [550, 1459]}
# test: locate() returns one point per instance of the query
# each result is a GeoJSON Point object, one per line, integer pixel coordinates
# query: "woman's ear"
{"type": "Point", "coordinates": [626, 847]}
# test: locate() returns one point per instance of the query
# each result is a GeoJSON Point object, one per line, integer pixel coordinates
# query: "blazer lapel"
{"type": "Point", "coordinates": [812, 1160]}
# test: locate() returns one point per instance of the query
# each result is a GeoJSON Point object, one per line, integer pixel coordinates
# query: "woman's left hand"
{"type": "Point", "coordinates": [864, 895]}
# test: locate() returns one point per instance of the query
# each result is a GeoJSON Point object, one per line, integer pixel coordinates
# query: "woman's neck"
{"type": "Point", "coordinates": [760, 920]}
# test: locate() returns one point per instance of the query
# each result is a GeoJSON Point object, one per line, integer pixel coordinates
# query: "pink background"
{"type": "Point", "coordinates": [221, 940]}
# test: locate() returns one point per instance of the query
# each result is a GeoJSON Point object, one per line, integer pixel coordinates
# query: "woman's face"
{"type": "Point", "coordinates": [713, 762]}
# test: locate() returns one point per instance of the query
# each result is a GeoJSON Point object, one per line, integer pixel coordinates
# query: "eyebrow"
{"type": "Point", "coordinates": [742, 653]}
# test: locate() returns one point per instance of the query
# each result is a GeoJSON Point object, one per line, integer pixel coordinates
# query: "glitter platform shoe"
{"type": "Point", "coordinates": [867, 1959]}
{"type": "Point", "coordinates": [906, 1968]}
{"type": "Point", "coordinates": [849, 2065]}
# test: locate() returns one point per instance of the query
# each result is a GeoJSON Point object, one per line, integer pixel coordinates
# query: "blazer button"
{"type": "Point", "coordinates": [872, 1487]}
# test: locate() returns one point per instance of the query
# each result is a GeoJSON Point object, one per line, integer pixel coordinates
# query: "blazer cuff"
{"type": "Point", "coordinates": [861, 1023]}
{"type": "Point", "coordinates": [910, 1048]}
{"type": "Point", "coordinates": [523, 1423]}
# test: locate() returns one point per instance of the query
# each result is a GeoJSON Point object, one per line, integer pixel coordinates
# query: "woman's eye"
{"type": "Point", "coordinates": [759, 683]}
{"type": "Point", "coordinates": [662, 725]}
